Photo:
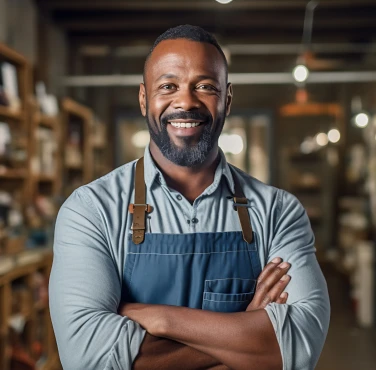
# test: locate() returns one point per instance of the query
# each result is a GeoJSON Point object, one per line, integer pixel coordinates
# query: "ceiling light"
{"type": "Point", "coordinates": [308, 145]}
{"type": "Point", "coordinates": [141, 138]}
{"type": "Point", "coordinates": [322, 139]}
{"type": "Point", "coordinates": [231, 143]}
{"type": "Point", "coordinates": [300, 73]}
{"type": "Point", "coordinates": [361, 120]}
{"type": "Point", "coordinates": [334, 135]}
{"type": "Point", "coordinates": [223, 1]}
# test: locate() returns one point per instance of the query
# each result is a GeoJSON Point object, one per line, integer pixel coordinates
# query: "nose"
{"type": "Point", "coordinates": [186, 99]}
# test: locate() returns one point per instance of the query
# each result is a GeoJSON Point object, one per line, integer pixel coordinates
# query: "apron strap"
{"type": "Point", "coordinates": [240, 205]}
{"type": "Point", "coordinates": [139, 208]}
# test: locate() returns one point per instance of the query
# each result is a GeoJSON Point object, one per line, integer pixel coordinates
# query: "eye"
{"type": "Point", "coordinates": [207, 87]}
{"type": "Point", "coordinates": [168, 87]}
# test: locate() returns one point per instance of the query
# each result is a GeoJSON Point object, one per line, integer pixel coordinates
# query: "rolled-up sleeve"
{"type": "Point", "coordinates": [301, 325]}
{"type": "Point", "coordinates": [85, 291]}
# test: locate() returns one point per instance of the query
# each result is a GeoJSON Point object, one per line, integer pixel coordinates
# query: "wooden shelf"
{"type": "Point", "coordinates": [10, 113]}
{"type": "Point", "coordinates": [77, 167]}
{"type": "Point", "coordinates": [304, 158]}
{"type": "Point", "coordinates": [76, 115]}
{"type": "Point", "coordinates": [40, 306]}
{"type": "Point", "coordinates": [72, 107]}
{"type": "Point", "coordinates": [11, 55]}
{"type": "Point", "coordinates": [45, 178]}
{"type": "Point", "coordinates": [99, 146]}
{"type": "Point", "coordinates": [305, 188]}
{"type": "Point", "coordinates": [13, 174]}
{"type": "Point", "coordinates": [52, 364]}
{"type": "Point", "coordinates": [47, 121]}
{"type": "Point", "coordinates": [310, 109]}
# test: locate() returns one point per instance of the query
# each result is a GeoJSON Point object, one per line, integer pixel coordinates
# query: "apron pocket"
{"type": "Point", "coordinates": [228, 295]}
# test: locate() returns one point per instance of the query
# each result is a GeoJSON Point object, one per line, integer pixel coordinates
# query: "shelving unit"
{"type": "Point", "coordinates": [26, 334]}
{"type": "Point", "coordinates": [45, 174]}
{"type": "Point", "coordinates": [15, 162]}
{"type": "Point", "coordinates": [311, 177]}
{"type": "Point", "coordinates": [77, 153]}
{"type": "Point", "coordinates": [100, 150]}
{"type": "Point", "coordinates": [24, 303]}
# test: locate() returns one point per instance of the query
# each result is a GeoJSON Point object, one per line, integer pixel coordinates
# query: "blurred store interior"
{"type": "Point", "coordinates": [303, 119]}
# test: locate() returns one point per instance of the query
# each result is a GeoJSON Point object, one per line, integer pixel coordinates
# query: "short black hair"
{"type": "Point", "coordinates": [189, 32]}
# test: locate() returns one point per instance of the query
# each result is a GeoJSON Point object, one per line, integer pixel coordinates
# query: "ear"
{"type": "Point", "coordinates": [228, 98]}
{"type": "Point", "coordinates": [142, 99]}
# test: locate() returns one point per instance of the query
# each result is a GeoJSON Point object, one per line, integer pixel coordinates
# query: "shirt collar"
{"type": "Point", "coordinates": [223, 170]}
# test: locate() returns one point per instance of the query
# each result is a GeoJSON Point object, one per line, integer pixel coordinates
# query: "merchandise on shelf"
{"type": "Point", "coordinates": [12, 226]}
{"type": "Point", "coordinates": [10, 85]}
{"type": "Point", "coordinates": [5, 140]}
{"type": "Point", "coordinates": [47, 147]}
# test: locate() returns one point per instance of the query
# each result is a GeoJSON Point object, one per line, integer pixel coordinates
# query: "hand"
{"type": "Point", "coordinates": [270, 285]}
{"type": "Point", "coordinates": [149, 316]}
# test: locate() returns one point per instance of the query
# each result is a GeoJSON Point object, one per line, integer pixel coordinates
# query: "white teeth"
{"type": "Point", "coordinates": [185, 124]}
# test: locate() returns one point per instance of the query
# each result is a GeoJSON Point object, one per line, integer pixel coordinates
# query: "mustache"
{"type": "Point", "coordinates": [186, 115]}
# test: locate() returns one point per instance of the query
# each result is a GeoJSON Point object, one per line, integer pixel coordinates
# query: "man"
{"type": "Point", "coordinates": [178, 240]}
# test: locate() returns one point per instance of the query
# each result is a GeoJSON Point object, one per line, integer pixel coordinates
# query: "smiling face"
{"type": "Point", "coordinates": [185, 100]}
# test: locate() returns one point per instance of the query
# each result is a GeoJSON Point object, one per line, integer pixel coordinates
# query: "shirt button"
{"type": "Point", "coordinates": [179, 197]}
{"type": "Point", "coordinates": [194, 220]}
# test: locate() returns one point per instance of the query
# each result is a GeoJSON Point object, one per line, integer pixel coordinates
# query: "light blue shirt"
{"type": "Point", "coordinates": [90, 249]}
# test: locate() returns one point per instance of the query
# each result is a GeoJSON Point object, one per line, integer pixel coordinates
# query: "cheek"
{"type": "Point", "coordinates": [158, 106]}
{"type": "Point", "coordinates": [217, 108]}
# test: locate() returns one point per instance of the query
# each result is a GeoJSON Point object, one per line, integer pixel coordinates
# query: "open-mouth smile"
{"type": "Point", "coordinates": [178, 124]}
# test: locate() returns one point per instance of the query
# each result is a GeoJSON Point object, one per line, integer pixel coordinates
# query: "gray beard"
{"type": "Point", "coordinates": [189, 155]}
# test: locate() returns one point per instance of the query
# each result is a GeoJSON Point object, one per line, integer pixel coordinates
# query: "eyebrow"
{"type": "Point", "coordinates": [201, 77]}
{"type": "Point", "coordinates": [166, 75]}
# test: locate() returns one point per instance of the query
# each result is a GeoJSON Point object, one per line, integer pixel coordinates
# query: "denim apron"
{"type": "Point", "coordinates": [210, 271]}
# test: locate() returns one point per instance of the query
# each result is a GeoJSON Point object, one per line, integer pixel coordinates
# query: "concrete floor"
{"type": "Point", "coordinates": [348, 347]}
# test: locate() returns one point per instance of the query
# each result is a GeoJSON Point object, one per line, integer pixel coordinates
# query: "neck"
{"type": "Point", "coordinates": [189, 181]}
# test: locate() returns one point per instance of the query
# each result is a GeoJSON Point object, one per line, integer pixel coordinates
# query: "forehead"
{"type": "Point", "coordinates": [183, 57]}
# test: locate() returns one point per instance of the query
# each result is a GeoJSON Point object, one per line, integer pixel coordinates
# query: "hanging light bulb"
{"type": "Point", "coordinates": [334, 135]}
{"type": "Point", "coordinates": [141, 138]}
{"type": "Point", "coordinates": [322, 139]}
{"type": "Point", "coordinates": [361, 120]}
{"type": "Point", "coordinates": [360, 116]}
{"type": "Point", "coordinates": [300, 73]}
{"type": "Point", "coordinates": [223, 1]}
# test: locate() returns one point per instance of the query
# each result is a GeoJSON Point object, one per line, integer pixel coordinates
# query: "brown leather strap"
{"type": "Point", "coordinates": [240, 199]}
{"type": "Point", "coordinates": [139, 208]}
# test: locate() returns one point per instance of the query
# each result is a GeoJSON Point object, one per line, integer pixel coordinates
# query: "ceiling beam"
{"type": "Point", "coordinates": [194, 4]}
{"type": "Point", "coordinates": [122, 22]}
{"type": "Point", "coordinates": [235, 78]}
{"type": "Point", "coordinates": [233, 36]}
{"type": "Point", "coordinates": [141, 51]}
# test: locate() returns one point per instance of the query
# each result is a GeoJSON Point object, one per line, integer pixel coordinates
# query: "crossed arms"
{"type": "Point", "coordinates": [242, 340]}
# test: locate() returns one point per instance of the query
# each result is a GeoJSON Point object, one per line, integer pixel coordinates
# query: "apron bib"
{"type": "Point", "coordinates": [211, 271]}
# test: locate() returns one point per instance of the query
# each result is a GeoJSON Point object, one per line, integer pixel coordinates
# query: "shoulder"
{"type": "Point", "coordinates": [261, 195]}
{"type": "Point", "coordinates": [103, 193]}
{"type": "Point", "coordinates": [115, 183]}
{"type": "Point", "coordinates": [254, 189]}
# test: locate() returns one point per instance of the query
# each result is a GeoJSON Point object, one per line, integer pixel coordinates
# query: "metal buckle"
{"type": "Point", "coordinates": [148, 207]}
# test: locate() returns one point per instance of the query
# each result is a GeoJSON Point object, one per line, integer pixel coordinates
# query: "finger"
{"type": "Point", "coordinates": [282, 299]}
{"type": "Point", "coordinates": [264, 293]}
{"type": "Point", "coordinates": [267, 270]}
{"type": "Point", "coordinates": [275, 292]}
{"type": "Point", "coordinates": [274, 275]}
{"type": "Point", "coordinates": [279, 287]}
